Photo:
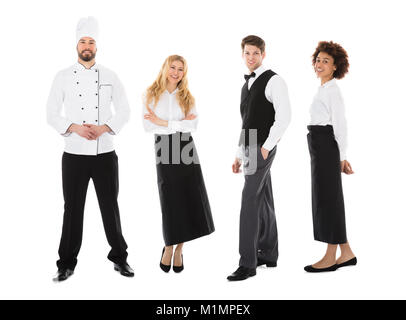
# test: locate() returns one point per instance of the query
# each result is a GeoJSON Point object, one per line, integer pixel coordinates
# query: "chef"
{"type": "Point", "coordinates": [84, 92]}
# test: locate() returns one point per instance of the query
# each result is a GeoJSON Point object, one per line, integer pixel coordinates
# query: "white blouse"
{"type": "Point", "coordinates": [169, 109]}
{"type": "Point", "coordinates": [328, 109]}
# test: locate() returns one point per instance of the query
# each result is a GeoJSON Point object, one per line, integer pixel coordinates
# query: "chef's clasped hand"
{"type": "Point", "coordinates": [89, 131]}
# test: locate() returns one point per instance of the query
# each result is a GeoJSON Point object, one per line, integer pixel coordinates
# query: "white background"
{"type": "Point", "coordinates": [38, 39]}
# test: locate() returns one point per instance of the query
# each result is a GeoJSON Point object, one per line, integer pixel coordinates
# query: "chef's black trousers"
{"type": "Point", "coordinates": [76, 173]}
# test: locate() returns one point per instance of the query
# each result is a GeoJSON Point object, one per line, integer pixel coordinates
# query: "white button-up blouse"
{"type": "Point", "coordinates": [328, 109]}
{"type": "Point", "coordinates": [169, 109]}
{"type": "Point", "coordinates": [79, 95]}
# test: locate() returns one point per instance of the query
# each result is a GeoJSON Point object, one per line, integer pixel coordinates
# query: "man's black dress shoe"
{"type": "Point", "coordinates": [242, 273]}
{"type": "Point", "coordinates": [62, 275]}
{"type": "Point", "coordinates": [124, 269]}
{"type": "Point", "coordinates": [178, 269]}
{"type": "Point", "coordinates": [351, 262]}
{"type": "Point", "coordinates": [269, 264]}
{"type": "Point", "coordinates": [315, 270]}
{"type": "Point", "coordinates": [164, 267]}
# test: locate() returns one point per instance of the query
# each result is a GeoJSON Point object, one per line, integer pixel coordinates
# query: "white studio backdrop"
{"type": "Point", "coordinates": [38, 39]}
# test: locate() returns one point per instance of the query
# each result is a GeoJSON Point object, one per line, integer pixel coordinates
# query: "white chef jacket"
{"type": "Point", "coordinates": [328, 109]}
{"type": "Point", "coordinates": [169, 109]}
{"type": "Point", "coordinates": [85, 96]}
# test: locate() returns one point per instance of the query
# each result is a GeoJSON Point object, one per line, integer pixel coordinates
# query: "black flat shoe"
{"type": "Point", "coordinates": [62, 275]}
{"type": "Point", "coordinates": [242, 273]}
{"type": "Point", "coordinates": [315, 270]}
{"type": "Point", "coordinates": [269, 264]}
{"type": "Point", "coordinates": [178, 269]}
{"type": "Point", "coordinates": [124, 269]}
{"type": "Point", "coordinates": [351, 262]}
{"type": "Point", "coordinates": [164, 267]}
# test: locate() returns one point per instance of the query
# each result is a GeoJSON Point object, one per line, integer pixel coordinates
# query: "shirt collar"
{"type": "Point", "coordinates": [258, 71]}
{"type": "Point", "coordinates": [329, 83]}
{"type": "Point", "coordinates": [79, 66]}
{"type": "Point", "coordinates": [173, 93]}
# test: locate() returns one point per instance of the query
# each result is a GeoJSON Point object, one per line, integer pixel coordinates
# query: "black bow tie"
{"type": "Point", "coordinates": [247, 76]}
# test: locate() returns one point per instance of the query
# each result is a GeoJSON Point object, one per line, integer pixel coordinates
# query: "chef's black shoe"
{"type": "Point", "coordinates": [269, 264]}
{"type": "Point", "coordinates": [124, 269]}
{"type": "Point", "coordinates": [62, 275]}
{"type": "Point", "coordinates": [242, 273]}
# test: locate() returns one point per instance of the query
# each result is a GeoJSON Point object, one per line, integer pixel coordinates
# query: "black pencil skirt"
{"type": "Point", "coordinates": [327, 193]}
{"type": "Point", "coordinates": [186, 213]}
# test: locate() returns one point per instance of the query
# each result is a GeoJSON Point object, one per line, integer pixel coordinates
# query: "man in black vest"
{"type": "Point", "coordinates": [265, 112]}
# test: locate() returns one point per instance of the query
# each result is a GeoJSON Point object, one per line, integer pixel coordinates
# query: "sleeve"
{"type": "Point", "coordinates": [54, 107]}
{"type": "Point", "coordinates": [339, 121]}
{"type": "Point", "coordinates": [148, 125]}
{"type": "Point", "coordinates": [276, 92]}
{"type": "Point", "coordinates": [184, 125]}
{"type": "Point", "coordinates": [121, 107]}
{"type": "Point", "coordinates": [239, 154]}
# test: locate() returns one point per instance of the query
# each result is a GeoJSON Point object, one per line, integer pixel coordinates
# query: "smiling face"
{"type": "Point", "coordinates": [86, 49]}
{"type": "Point", "coordinates": [175, 72]}
{"type": "Point", "coordinates": [252, 56]}
{"type": "Point", "coordinates": [324, 66]}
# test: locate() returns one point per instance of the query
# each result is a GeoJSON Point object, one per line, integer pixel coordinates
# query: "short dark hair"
{"type": "Point", "coordinates": [339, 55]}
{"type": "Point", "coordinates": [254, 41]}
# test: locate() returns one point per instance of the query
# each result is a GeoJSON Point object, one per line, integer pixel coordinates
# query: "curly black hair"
{"type": "Point", "coordinates": [339, 55]}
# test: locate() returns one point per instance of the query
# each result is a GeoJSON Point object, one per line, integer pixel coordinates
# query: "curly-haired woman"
{"type": "Point", "coordinates": [327, 140]}
{"type": "Point", "coordinates": [170, 113]}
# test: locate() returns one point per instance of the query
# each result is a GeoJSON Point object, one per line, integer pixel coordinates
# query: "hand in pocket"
{"type": "Point", "coordinates": [264, 153]}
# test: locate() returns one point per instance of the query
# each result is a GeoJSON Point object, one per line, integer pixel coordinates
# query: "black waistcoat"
{"type": "Point", "coordinates": [256, 111]}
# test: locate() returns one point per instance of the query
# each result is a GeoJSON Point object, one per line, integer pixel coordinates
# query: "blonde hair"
{"type": "Point", "coordinates": [184, 97]}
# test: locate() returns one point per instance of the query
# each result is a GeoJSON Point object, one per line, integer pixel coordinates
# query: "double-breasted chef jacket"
{"type": "Point", "coordinates": [85, 96]}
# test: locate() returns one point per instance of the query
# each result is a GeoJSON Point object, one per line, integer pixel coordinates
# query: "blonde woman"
{"type": "Point", "coordinates": [170, 113]}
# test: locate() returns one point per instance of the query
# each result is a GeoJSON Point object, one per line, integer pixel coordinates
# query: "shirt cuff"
{"type": "Point", "coordinates": [342, 150]}
{"type": "Point", "coordinates": [67, 133]}
{"type": "Point", "coordinates": [269, 145]}
{"type": "Point", "coordinates": [240, 153]}
{"type": "Point", "coordinates": [174, 125]}
{"type": "Point", "coordinates": [111, 124]}
{"type": "Point", "coordinates": [111, 130]}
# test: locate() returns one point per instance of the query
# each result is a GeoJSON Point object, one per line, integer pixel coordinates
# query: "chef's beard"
{"type": "Point", "coordinates": [86, 57]}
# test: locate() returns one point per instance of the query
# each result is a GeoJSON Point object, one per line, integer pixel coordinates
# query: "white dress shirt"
{"type": "Point", "coordinates": [328, 109]}
{"type": "Point", "coordinates": [169, 109]}
{"type": "Point", "coordinates": [85, 96]}
{"type": "Point", "coordinates": [276, 93]}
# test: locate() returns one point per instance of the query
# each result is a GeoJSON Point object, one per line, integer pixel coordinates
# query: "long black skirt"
{"type": "Point", "coordinates": [327, 192]}
{"type": "Point", "coordinates": [186, 213]}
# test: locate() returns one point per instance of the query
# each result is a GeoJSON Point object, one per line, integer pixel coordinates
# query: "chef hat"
{"type": "Point", "coordinates": [87, 27]}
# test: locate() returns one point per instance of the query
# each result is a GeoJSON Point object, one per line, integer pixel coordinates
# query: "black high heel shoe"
{"type": "Point", "coordinates": [164, 267]}
{"type": "Point", "coordinates": [178, 269]}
